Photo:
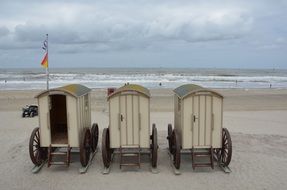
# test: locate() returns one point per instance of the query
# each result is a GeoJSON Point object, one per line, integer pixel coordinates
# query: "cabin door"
{"type": "Point", "coordinates": [58, 119]}
{"type": "Point", "coordinates": [129, 119]}
{"type": "Point", "coordinates": [203, 121]}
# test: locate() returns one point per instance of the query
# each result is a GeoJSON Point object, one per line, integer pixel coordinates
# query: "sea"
{"type": "Point", "coordinates": [35, 79]}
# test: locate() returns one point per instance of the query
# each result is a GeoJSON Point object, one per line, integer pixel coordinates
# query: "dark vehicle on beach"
{"type": "Point", "coordinates": [30, 111]}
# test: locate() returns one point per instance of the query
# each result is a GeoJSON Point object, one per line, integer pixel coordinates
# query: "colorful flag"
{"type": "Point", "coordinates": [44, 63]}
{"type": "Point", "coordinates": [45, 45]}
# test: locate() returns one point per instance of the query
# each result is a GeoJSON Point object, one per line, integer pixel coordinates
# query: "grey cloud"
{"type": "Point", "coordinates": [163, 26]}
{"type": "Point", "coordinates": [29, 32]}
{"type": "Point", "coordinates": [114, 26]}
{"type": "Point", "coordinates": [4, 31]}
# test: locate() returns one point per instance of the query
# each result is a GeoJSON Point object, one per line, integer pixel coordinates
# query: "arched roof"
{"type": "Point", "coordinates": [130, 88]}
{"type": "Point", "coordinates": [188, 89]}
{"type": "Point", "coordinates": [75, 90]}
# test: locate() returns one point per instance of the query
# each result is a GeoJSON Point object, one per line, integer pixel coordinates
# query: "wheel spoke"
{"type": "Point", "coordinates": [36, 141]}
{"type": "Point", "coordinates": [37, 135]}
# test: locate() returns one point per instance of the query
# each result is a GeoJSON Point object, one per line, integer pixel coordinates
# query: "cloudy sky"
{"type": "Point", "coordinates": [144, 33]}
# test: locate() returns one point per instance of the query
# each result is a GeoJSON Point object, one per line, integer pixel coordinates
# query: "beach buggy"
{"type": "Point", "coordinates": [30, 111]}
{"type": "Point", "coordinates": [128, 133]}
{"type": "Point", "coordinates": [198, 120]}
{"type": "Point", "coordinates": [65, 124]}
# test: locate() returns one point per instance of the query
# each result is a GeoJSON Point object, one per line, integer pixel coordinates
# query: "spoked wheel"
{"type": "Point", "coordinates": [216, 153]}
{"type": "Point", "coordinates": [106, 151]}
{"type": "Point", "coordinates": [154, 146]}
{"type": "Point", "coordinates": [176, 149]}
{"type": "Point", "coordinates": [85, 147]}
{"type": "Point", "coordinates": [169, 135]}
{"type": "Point", "coordinates": [95, 136]}
{"type": "Point", "coordinates": [38, 154]}
{"type": "Point", "coordinates": [225, 153]}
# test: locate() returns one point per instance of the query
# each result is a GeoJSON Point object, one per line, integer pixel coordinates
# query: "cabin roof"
{"type": "Point", "coordinates": [131, 87]}
{"type": "Point", "coordinates": [75, 90]}
{"type": "Point", "coordinates": [187, 89]}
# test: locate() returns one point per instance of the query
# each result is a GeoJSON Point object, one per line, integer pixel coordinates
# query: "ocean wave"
{"type": "Point", "coordinates": [151, 79]}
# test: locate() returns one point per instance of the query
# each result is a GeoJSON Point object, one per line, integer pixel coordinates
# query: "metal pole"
{"type": "Point", "coordinates": [47, 68]}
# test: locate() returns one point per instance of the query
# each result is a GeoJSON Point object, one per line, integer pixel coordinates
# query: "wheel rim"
{"type": "Point", "coordinates": [95, 136]}
{"type": "Point", "coordinates": [106, 152]}
{"type": "Point", "coordinates": [85, 147]}
{"type": "Point", "coordinates": [154, 146]}
{"type": "Point", "coordinates": [176, 150]}
{"type": "Point", "coordinates": [226, 150]}
{"type": "Point", "coordinates": [37, 153]}
{"type": "Point", "coordinates": [169, 134]}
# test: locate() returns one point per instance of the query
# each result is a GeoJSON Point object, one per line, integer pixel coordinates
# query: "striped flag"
{"type": "Point", "coordinates": [45, 45]}
{"type": "Point", "coordinates": [44, 62]}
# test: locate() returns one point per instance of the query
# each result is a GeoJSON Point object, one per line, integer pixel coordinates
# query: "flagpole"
{"type": "Point", "coordinates": [47, 68]}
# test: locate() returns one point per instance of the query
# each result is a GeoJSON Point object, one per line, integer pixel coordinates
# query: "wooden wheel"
{"type": "Point", "coordinates": [106, 151]}
{"type": "Point", "coordinates": [169, 135]}
{"type": "Point", "coordinates": [176, 149]}
{"type": "Point", "coordinates": [154, 147]}
{"type": "Point", "coordinates": [216, 153]}
{"type": "Point", "coordinates": [37, 153]}
{"type": "Point", "coordinates": [225, 153]}
{"type": "Point", "coordinates": [85, 147]}
{"type": "Point", "coordinates": [95, 136]}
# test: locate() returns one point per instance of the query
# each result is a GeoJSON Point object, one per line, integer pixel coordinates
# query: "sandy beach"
{"type": "Point", "coordinates": [256, 119]}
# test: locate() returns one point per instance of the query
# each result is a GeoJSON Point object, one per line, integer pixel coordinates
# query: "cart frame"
{"type": "Point", "coordinates": [128, 133]}
{"type": "Point", "coordinates": [198, 120]}
{"type": "Point", "coordinates": [65, 123]}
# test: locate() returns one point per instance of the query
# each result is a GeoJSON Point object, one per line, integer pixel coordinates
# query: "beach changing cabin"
{"type": "Point", "coordinates": [65, 123]}
{"type": "Point", "coordinates": [129, 126]}
{"type": "Point", "coordinates": [198, 121]}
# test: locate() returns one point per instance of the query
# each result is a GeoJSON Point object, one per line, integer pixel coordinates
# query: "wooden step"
{"type": "Point", "coordinates": [53, 151]}
{"type": "Point", "coordinates": [58, 163]}
{"type": "Point", "coordinates": [130, 154]}
{"type": "Point", "coordinates": [202, 153]}
{"type": "Point", "coordinates": [129, 164]}
{"type": "Point", "coordinates": [130, 146]}
{"type": "Point", "coordinates": [59, 153]}
{"type": "Point", "coordinates": [202, 164]}
{"type": "Point", "coordinates": [130, 151]}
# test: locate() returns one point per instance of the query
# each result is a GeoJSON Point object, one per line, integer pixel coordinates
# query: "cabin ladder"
{"type": "Point", "coordinates": [128, 152]}
{"type": "Point", "coordinates": [202, 153]}
{"type": "Point", "coordinates": [59, 152]}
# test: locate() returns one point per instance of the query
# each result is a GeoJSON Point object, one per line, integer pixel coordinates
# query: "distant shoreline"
{"type": "Point", "coordinates": [144, 68]}
{"type": "Point", "coordinates": [149, 77]}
